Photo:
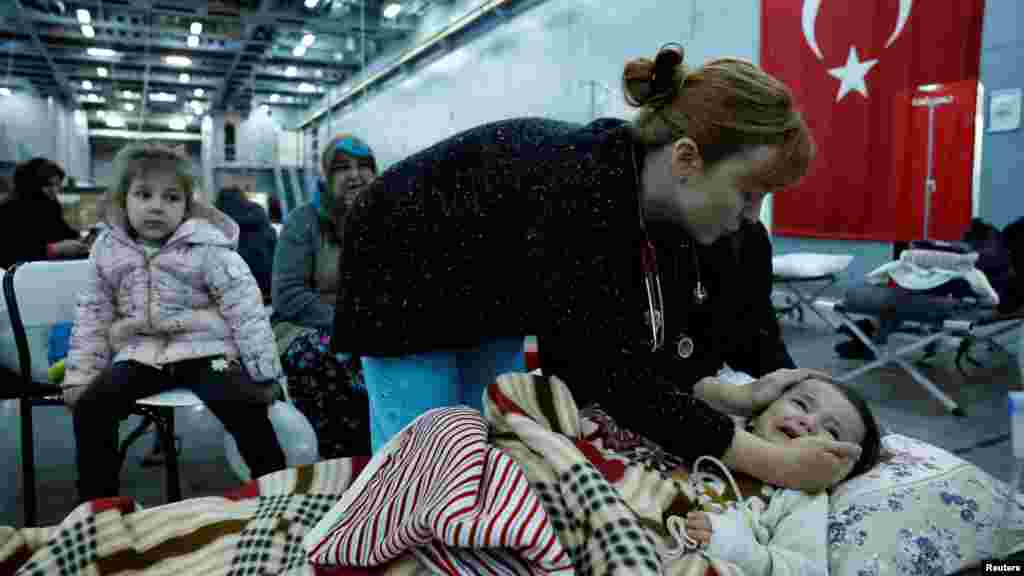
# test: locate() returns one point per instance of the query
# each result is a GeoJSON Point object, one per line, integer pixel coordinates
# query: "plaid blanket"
{"type": "Point", "coordinates": [257, 529]}
{"type": "Point", "coordinates": [608, 492]}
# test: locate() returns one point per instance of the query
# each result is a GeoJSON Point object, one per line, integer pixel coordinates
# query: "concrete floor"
{"type": "Point", "coordinates": [982, 437]}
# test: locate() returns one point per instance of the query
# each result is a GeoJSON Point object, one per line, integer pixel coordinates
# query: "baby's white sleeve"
{"type": "Point", "coordinates": [796, 545]}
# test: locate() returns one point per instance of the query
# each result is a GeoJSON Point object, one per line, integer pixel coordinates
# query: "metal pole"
{"type": "Point", "coordinates": [929, 181]}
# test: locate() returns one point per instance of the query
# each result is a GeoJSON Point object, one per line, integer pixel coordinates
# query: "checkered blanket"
{"type": "Point", "coordinates": [607, 491]}
{"type": "Point", "coordinates": [257, 529]}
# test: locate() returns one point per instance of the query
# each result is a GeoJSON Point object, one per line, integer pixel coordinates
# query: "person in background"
{"type": "Point", "coordinates": [32, 221]}
{"type": "Point", "coordinates": [257, 239]}
{"type": "Point", "coordinates": [325, 387]}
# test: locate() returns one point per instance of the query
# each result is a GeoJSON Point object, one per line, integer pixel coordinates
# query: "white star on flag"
{"type": "Point", "coordinates": [851, 76]}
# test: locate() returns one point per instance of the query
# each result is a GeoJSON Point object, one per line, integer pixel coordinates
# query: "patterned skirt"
{"type": "Point", "coordinates": [329, 391]}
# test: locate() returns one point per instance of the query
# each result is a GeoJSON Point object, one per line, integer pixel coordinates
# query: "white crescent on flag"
{"type": "Point", "coordinates": [810, 14]}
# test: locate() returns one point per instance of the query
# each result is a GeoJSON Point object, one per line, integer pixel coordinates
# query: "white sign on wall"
{"type": "Point", "coordinates": [1004, 110]}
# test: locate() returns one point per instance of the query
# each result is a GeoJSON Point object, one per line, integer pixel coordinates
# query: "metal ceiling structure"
{"type": "Point", "coordinates": [150, 62]}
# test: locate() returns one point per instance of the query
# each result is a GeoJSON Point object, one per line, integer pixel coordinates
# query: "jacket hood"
{"type": "Point", "coordinates": [245, 212]}
{"type": "Point", "coordinates": [203, 224]}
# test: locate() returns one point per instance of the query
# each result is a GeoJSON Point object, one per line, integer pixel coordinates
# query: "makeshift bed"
{"type": "Point", "coordinates": [458, 493]}
{"type": "Point", "coordinates": [800, 278]}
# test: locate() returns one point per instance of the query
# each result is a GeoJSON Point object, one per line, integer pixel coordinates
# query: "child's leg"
{"type": "Point", "coordinates": [401, 389]}
{"type": "Point", "coordinates": [96, 416]}
{"type": "Point", "coordinates": [240, 404]}
{"type": "Point", "coordinates": [481, 366]}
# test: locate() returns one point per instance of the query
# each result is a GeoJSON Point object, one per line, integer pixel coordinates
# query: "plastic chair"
{"type": "Point", "coordinates": [39, 295]}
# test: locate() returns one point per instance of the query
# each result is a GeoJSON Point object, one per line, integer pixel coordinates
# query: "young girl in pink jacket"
{"type": "Point", "coordinates": [169, 304]}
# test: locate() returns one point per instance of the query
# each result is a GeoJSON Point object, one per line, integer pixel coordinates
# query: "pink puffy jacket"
{"type": "Point", "coordinates": [194, 298]}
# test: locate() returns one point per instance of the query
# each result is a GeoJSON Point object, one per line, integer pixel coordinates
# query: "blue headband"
{"type": "Point", "coordinates": [352, 147]}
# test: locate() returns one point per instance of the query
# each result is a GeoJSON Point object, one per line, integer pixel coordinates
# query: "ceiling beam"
{"type": "Point", "coordinates": [64, 91]}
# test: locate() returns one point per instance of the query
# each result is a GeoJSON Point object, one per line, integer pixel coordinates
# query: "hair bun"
{"type": "Point", "coordinates": [651, 83]}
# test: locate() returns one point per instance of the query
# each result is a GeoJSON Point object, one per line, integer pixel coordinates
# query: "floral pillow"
{"type": "Point", "coordinates": [922, 511]}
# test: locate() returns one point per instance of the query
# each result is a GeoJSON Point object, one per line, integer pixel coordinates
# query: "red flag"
{"type": "Point", "coordinates": [849, 65]}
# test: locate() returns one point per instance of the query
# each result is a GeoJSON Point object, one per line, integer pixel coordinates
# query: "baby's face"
{"type": "Point", "coordinates": [811, 408]}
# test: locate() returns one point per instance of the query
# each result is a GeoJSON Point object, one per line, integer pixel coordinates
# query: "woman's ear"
{"type": "Point", "coordinates": [686, 158]}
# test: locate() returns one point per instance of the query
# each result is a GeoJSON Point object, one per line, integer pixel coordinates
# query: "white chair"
{"type": "Point", "coordinates": [39, 295]}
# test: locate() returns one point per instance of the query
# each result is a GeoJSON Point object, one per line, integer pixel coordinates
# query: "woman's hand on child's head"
{"type": "Point", "coordinates": [768, 388]}
{"type": "Point", "coordinates": [815, 463]}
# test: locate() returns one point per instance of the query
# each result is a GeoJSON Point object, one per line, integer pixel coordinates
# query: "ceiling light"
{"type": "Point", "coordinates": [128, 95]}
{"type": "Point", "coordinates": [184, 77]}
{"type": "Point", "coordinates": [83, 16]}
{"type": "Point", "coordinates": [95, 98]}
{"type": "Point", "coordinates": [114, 121]}
{"type": "Point", "coordinates": [307, 87]}
{"type": "Point", "coordinates": [930, 87]}
{"type": "Point", "coordinates": [88, 31]}
{"type": "Point", "coordinates": [274, 97]}
{"type": "Point", "coordinates": [193, 41]}
{"type": "Point", "coordinates": [291, 71]}
{"type": "Point", "coordinates": [299, 51]}
{"type": "Point", "coordinates": [319, 73]}
{"type": "Point", "coordinates": [308, 39]}
{"type": "Point", "coordinates": [177, 124]}
{"type": "Point", "coordinates": [199, 92]}
{"type": "Point", "coordinates": [196, 28]}
{"type": "Point", "coordinates": [163, 97]}
{"type": "Point", "coordinates": [101, 52]}
{"type": "Point", "coordinates": [350, 44]}
{"type": "Point", "coordinates": [338, 55]}
{"type": "Point", "coordinates": [178, 60]}
{"type": "Point", "coordinates": [312, 3]}
{"type": "Point", "coordinates": [102, 72]}
{"type": "Point", "coordinates": [128, 106]}
{"type": "Point", "coordinates": [392, 10]}
{"type": "Point", "coordinates": [86, 85]}
{"type": "Point", "coordinates": [5, 91]}
{"type": "Point", "coordinates": [101, 113]}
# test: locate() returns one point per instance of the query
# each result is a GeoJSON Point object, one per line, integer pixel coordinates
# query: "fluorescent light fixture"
{"type": "Point", "coordinates": [83, 16]}
{"type": "Point", "coordinates": [128, 106]}
{"type": "Point", "coordinates": [307, 87]}
{"type": "Point", "coordinates": [274, 97]}
{"type": "Point", "coordinates": [114, 121]}
{"type": "Point", "coordinates": [177, 124]}
{"type": "Point", "coordinates": [291, 71]}
{"type": "Point", "coordinates": [101, 113]}
{"type": "Point", "coordinates": [193, 41]}
{"type": "Point", "coordinates": [101, 52]}
{"type": "Point", "coordinates": [338, 56]}
{"type": "Point", "coordinates": [350, 44]}
{"type": "Point", "coordinates": [392, 10]}
{"type": "Point", "coordinates": [308, 39]}
{"type": "Point", "coordinates": [95, 98]}
{"type": "Point", "coordinates": [319, 73]}
{"type": "Point", "coordinates": [312, 3]}
{"type": "Point", "coordinates": [163, 97]}
{"type": "Point", "coordinates": [5, 91]}
{"type": "Point", "coordinates": [183, 77]}
{"type": "Point", "coordinates": [930, 87]}
{"type": "Point", "coordinates": [199, 92]}
{"type": "Point", "coordinates": [196, 28]}
{"type": "Point", "coordinates": [299, 51]}
{"type": "Point", "coordinates": [102, 72]}
{"type": "Point", "coordinates": [128, 95]}
{"type": "Point", "coordinates": [196, 105]}
{"type": "Point", "coordinates": [88, 31]}
{"type": "Point", "coordinates": [86, 85]}
{"type": "Point", "coordinates": [178, 60]}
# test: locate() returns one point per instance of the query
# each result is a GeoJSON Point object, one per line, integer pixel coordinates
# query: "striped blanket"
{"type": "Point", "coordinates": [531, 488]}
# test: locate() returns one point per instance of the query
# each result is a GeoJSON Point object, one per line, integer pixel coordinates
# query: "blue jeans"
{"type": "Point", "coordinates": [401, 389]}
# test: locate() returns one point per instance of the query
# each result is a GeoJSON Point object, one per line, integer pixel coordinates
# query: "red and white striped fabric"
{"type": "Point", "coordinates": [440, 490]}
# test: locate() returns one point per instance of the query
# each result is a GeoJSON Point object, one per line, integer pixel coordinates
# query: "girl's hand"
{"type": "Point", "coordinates": [698, 527]}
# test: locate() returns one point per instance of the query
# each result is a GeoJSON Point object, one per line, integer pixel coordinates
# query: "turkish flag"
{"type": "Point", "coordinates": [851, 66]}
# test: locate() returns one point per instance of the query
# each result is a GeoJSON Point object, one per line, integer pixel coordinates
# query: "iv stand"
{"type": "Point", "coordinates": [929, 181]}
{"type": "Point", "coordinates": [594, 85]}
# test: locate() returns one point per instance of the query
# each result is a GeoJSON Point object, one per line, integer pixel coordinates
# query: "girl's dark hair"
{"type": "Point", "coordinates": [32, 175]}
{"type": "Point", "coordinates": [871, 445]}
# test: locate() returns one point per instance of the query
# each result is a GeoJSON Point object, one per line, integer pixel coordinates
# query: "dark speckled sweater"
{"type": "Point", "coordinates": [531, 226]}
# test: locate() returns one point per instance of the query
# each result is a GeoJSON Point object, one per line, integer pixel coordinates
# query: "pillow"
{"type": "Point", "coordinates": [809, 265]}
{"type": "Point", "coordinates": [922, 510]}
